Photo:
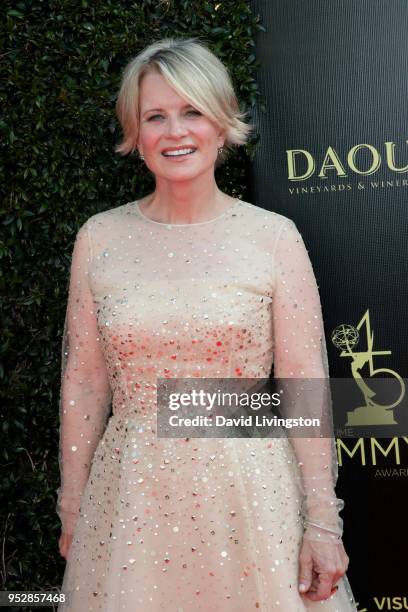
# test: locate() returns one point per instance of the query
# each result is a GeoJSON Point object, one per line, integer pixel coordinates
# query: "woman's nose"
{"type": "Point", "coordinates": [176, 126]}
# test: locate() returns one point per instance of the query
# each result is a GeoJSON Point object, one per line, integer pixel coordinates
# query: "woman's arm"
{"type": "Point", "coordinates": [300, 360]}
{"type": "Point", "coordinates": [85, 391]}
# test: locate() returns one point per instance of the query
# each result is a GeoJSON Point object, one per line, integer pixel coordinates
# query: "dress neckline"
{"type": "Point", "coordinates": [136, 207]}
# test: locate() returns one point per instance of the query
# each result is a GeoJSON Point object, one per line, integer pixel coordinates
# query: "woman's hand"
{"type": "Point", "coordinates": [65, 544]}
{"type": "Point", "coordinates": [322, 564]}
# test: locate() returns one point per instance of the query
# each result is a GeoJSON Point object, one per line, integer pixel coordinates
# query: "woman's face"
{"type": "Point", "coordinates": [176, 140]}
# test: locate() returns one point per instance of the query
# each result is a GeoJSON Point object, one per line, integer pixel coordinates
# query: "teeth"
{"type": "Point", "coordinates": [179, 152]}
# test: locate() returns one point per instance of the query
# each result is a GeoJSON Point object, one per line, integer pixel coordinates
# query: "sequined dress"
{"type": "Point", "coordinates": [192, 524]}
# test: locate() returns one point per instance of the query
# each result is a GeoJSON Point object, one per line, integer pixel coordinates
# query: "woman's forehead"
{"type": "Point", "coordinates": [155, 93]}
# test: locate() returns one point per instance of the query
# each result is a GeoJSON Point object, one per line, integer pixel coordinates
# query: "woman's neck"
{"type": "Point", "coordinates": [185, 202]}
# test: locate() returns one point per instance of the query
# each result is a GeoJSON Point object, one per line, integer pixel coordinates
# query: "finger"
{"type": "Point", "coordinates": [314, 583]}
{"type": "Point", "coordinates": [60, 546]}
{"type": "Point", "coordinates": [324, 588]}
{"type": "Point", "coordinates": [305, 573]}
{"type": "Point", "coordinates": [64, 545]}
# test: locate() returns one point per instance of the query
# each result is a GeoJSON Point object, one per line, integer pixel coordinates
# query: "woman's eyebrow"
{"type": "Point", "coordinates": [160, 109]}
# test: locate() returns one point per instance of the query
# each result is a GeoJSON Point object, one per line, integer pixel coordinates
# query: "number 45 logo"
{"type": "Point", "coordinates": [346, 338]}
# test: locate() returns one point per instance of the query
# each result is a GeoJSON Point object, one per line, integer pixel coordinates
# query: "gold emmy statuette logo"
{"type": "Point", "coordinates": [346, 337]}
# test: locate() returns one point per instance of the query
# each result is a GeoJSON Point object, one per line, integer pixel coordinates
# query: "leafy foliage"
{"type": "Point", "coordinates": [62, 64]}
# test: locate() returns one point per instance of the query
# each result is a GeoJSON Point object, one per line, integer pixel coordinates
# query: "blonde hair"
{"type": "Point", "coordinates": [196, 74]}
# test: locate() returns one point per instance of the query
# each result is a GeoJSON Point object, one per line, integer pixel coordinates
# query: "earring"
{"type": "Point", "coordinates": [220, 150]}
{"type": "Point", "coordinates": [141, 156]}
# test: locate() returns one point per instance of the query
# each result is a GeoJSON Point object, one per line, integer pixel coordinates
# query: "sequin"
{"type": "Point", "coordinates": [210, 525]}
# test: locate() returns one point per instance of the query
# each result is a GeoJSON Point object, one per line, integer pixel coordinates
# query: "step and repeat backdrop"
{"type": "Point", "coordinates": [333, 156]}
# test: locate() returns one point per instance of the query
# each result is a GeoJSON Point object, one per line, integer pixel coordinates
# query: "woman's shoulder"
{"type": "Point", "coordinates": [250, 214]}
{"type": "Point", "coordinates": [109, 215]}
{"type": "Point", "coordinates": [264, 215]}
{"type": "Point", "coordinates": [107, 219]}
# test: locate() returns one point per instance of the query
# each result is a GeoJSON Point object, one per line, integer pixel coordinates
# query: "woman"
{"type": "Point", "coordinates": [189, 282]}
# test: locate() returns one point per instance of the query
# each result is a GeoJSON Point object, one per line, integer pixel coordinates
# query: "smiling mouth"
{"type": "Point", "coordinates": [180, 153]}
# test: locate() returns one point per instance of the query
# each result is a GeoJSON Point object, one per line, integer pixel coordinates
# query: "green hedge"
{"type": "Point", "coordinates": [62, 63]}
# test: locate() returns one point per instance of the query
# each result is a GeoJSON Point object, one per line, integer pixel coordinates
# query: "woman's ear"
{"type": "Point", "coordinates": [221, 137]}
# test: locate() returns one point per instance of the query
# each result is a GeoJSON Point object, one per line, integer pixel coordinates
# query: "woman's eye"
{"type": "Point", "coordinates": [189, 112]}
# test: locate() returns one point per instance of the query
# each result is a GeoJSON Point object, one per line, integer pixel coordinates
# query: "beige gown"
{"type": "Point", "coordinates": [194, 524]}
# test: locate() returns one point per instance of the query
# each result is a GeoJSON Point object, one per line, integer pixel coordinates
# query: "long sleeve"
{"type": "Point", "coordinates": [85, 393]}
{"type": "Point", "coordinates": [300, 361]}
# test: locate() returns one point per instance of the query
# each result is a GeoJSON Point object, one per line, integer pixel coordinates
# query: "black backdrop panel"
{"type": "Point", "coordinates": [333, 156]}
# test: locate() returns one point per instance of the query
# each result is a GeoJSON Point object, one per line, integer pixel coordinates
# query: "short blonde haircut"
{"type": "Point", "coordinates": [196, 74]}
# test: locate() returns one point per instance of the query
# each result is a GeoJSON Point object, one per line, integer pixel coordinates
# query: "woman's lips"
{"type": "Point", "coordinates": [179, 155]}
